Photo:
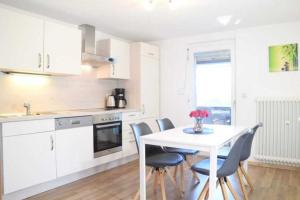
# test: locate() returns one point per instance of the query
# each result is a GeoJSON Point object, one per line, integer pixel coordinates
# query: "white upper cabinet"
{"type": "Point", "coordinates": [21, 42]}
{"type": "Point", "coordinates": [144, 85]}
{"type": "Point", "coordinates": [119, 51]}
{"type": "Point", "coordinates": [33, 45]}
{"type": "Point", "coordinates": [62, 49]}
{"type": "Point", "coordinates": [149, 87]}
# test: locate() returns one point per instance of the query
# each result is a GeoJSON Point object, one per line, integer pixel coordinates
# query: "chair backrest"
{"type": "Point", "coordinates": [231, 164]}
{"type": "Point", "coordinates": [142, 129]}
{"type": "Point", "coordinates": [246, 152]}
{"type": "Point", "coordinates": [165, 124]}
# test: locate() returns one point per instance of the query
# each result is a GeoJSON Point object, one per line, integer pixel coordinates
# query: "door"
{"type": "Point", "coordinates": [214, 81]}
{"type": "Point", "coordinates": [149, 87]}
{"type": "Point", "coordinates": [120, 52]}
{"type": "Point", "coordinates": [21, 39]}
{"type": "Point", "coordinates": [28, 160]}
{"type": "Point", "coordinates": [62, 53]}
{"type": "Point", "coordinates": [74, 150]}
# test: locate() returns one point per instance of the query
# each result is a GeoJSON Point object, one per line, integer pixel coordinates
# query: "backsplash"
{"type": "Point", "coordinates": [52, 93]}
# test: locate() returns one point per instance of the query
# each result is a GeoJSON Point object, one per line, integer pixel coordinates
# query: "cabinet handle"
{"type": "Point", "coordinates": [151, 54]}
{"type": "Point", "coordinates": [48, 61]}
{"type": "Point", "coordinates": [52, 143]}
{"type": "Point", "coordinates": [143, 109]}
{"type": "Point", "coordinates": [131, 141]}
{"type": "Point", "coordinates": [40, 60]}
{"type": "Point", "coordinates": [113, 72]}
{"type": "Point", "coordinates": [132, 115]}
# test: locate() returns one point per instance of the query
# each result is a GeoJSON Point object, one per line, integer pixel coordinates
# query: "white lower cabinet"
{"type": "Point", "coordinates": [129, 145]}
{"type": "Point", "coordinates": [74, 150]}
{"type": "Point", "coordinates": [28, 160]}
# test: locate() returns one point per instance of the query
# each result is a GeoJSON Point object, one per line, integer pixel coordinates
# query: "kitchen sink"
{"type": "Point", "coordinates": [7, 115]}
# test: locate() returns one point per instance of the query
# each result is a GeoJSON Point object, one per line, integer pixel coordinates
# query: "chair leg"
{"type": "Point", "coordinates": [224, 192]}
{"type": "Point", "coordinates": [173, 181]}
{"type": "Point", "coordinates": [175, 173]}
{"type": "Point", "coordinates": [242, 183]}
{"type": "Point", "coordinates": [247, 177]}
{"type": "Point", "coordinates": [204, 190]}
{"type": "Point", "coordinates": [147, 179]}
{"type": "Point", "coordinates": [156, 177]}
{"type": "Point", "coordinates": [182, 178]}
{"type": "Point", "coordinates": [190, 166]}
{"type": "Point", "coordinates": [162, 184]}
{"type": "Point", "coordinates": [234, 194]}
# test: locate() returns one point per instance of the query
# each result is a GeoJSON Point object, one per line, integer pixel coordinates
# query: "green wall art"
{"type": "Point", "coordinates": [283, 58]}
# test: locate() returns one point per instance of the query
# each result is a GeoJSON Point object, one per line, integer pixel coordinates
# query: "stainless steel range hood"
{"type": "Point", "coordinates": [88, 55]}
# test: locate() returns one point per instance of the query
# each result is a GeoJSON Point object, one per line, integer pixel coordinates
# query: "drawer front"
{"type": "Point", "coordinates": [127, 134]}
{"type": "Point", "coordinates": [150, 50]}
{"type": "Point", "coordinates": [27, 127]}
{"type": "Point", "coordinates": [131, 116]}
{"type": "Point", "coordinates": [129, 147]}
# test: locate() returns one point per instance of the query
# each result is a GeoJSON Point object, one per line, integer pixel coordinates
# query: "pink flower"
{"type": "Point", "coordinates": [199, 113]}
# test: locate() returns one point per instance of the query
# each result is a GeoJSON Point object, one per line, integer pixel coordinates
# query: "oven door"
{"type": "Point", "coordinates": [107, 138]}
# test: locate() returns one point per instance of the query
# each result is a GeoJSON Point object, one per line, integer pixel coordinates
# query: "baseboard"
{"type": "Point", "coordinates": [37, 189]}
{"type": "Point", "coordinates": [262, 164]}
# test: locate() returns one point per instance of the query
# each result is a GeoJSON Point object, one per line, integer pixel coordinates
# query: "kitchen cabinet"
{"type": "Point", "coordinates": [34, 45]}
{"type": "Point", "coordinates": [21, 39]}
{"type": "Point", "coordinates": [119, 51]}
{"type": "Point", "coordinates": [74, 150]}
{"type": "Point", "coordinates": [28, 160]}
{"type": "Point", "coordinates": [62, 49]}
{"type": "Point", "coordinates": [143, 86]}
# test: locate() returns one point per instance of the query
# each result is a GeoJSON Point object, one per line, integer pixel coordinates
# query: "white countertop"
{"type": "Point", "coordinates": [60, 114]}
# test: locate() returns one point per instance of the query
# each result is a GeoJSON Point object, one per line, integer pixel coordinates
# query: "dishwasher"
{"type": "Point", "coordinates": [74, 144]}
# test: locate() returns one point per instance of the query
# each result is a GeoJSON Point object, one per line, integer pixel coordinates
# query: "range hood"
{"type": "Point", "coordinates": [88, 52]}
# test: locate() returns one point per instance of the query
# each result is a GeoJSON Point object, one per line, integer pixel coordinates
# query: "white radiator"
{"type": "Point", "coordinates": [278, 141]}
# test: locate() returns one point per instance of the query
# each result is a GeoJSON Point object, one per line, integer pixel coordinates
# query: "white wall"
{"type": "Point", "coordinates": [252, 77]}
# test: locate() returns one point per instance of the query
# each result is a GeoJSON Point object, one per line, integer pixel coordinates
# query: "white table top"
{"type": "Point", "coordinates": [177, 138]}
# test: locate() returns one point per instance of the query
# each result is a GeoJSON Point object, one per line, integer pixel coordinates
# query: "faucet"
{"type": "Point", "coordinates": [28, 108]}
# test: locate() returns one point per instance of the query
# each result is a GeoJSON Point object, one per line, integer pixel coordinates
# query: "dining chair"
{"type": "Point", "coordinates": [245, 154]}
{"type": "Point", "coordinates": [226, 167]}
{"type": "Point", "coordinates": [157, 159]}
{"type": "Point", "coordinates": [166, 124]}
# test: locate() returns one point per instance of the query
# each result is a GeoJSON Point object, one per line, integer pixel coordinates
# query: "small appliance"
{"type": "Point", "coordinates": [121, 101]}
{"type": "Point", "coordinates": [110, 102]}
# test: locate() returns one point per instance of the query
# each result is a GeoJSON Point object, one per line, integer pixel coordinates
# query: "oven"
{"type": "Point", "coordinates": [107, 134]}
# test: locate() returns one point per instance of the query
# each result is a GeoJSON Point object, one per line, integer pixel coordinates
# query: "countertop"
{"type": "Point", "coordinates": [60, 114]}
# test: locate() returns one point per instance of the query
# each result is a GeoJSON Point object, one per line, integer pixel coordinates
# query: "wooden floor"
{"type": "Point", "coordinates": [122, 183]}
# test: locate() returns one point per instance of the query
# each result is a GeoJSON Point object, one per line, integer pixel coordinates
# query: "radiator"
{"type": "Point", "coordinates": [278, 141]}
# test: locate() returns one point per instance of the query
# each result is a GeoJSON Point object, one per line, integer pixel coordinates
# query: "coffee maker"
{"type": "Point", "coordinates": [121, 102]}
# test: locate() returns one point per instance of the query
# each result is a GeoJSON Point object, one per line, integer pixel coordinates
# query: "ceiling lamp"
{"type": "Point", "coordinates": [150, 4]}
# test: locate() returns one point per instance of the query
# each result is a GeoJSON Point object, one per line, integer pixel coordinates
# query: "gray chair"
{"type": "Point", "coordinates": [166, 124]}
{"type": "Point", "coordinates": [245, 154]}
{"type": "Point", "coordinates": [226, 168]}
{"type": "Point", "coordinates": [157, 159]}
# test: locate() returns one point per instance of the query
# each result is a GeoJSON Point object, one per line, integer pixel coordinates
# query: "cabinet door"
{"type": "Point", "coordinates": [149, 87]}
{"type": "Point", "coordinates": [74, 150]}
{"type": "Point", "coordinates": [62, 49]}
{"type": "Point", "coordinates": [21, 42]}
{"type": "Point", "coordinates": [28, 160]}
{"type": "Point", "coordinates": [120, 52]}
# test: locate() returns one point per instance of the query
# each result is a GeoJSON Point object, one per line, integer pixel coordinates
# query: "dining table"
{"type": "Point", "coordinates": [211, 142]}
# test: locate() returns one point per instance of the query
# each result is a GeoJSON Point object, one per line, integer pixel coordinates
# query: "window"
{"type": "Point", "coordinates": [213, 85]}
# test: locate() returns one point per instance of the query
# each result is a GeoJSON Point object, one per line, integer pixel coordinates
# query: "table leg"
{"type": "Point", "coordinates": [142, 171]}
{"type": "Point", "coordinates": [213, 173]}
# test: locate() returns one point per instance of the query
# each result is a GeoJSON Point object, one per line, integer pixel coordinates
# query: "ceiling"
{"type": "Point", "coordinates": [129, 19]}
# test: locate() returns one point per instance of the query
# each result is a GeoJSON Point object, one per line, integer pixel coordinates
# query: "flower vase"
{"type": "Point", "coordinates": [198, 128]}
